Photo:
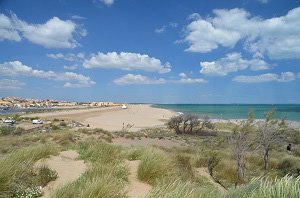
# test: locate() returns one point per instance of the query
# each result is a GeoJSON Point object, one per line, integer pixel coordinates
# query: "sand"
{"type": "Point", "coordinates": [134, 118]}
{"type": "Point", "coordinates": [68, 169]}
{"type": "Point", "coordinates": [136, 188]}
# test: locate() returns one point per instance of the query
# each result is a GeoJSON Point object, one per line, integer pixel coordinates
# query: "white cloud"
{"type": "Point", "coordinates": [69, 56]}
{"type": "Point", "coordinates": [126, 61]}
{"type": "Point", "coordinates": [182, 75]}
{"type": "Point", "coordinates": [231, 63]}
{"type": "Point", "coordinates": [185, 80]}
{"type": "Point", "coordinates": [269, 77]}
{"type": "Point", "coordinates": [277, 37]}
{"type": "Point", "coordinates": [71, 67]}
{"type": "Point", "coordinates": [107, 2]}
{"type": "Point", "coordinates": [140, 79]}
{"type": "Point", "coordinates": [16, 68]}
{"type": "Point", "coordinates": [173, 24]}
{"type": "Point", "coordinates": [160, 30]}
{"type": "Point", "coordinates": [137, 79]}
{"type": "Point", "coordinates": [263, 1]}
{"type": "Point", "coordinates": [194, 16]}
{"type": "Point", "coordinates": [77, 17]}
{"type": "Point", "coordinates": [55, 33]}
{"type": "Point", "coordinates": [203, 37]}
{"type": "Point", "coordinates": [9, 84]}
{"type": "Point", "coordinates": [7, 29]}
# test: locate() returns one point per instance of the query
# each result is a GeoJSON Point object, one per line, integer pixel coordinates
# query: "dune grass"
{"type": "Point", "coordinates": [284, 187]}
{"type": "Point", "coordinates": [16, 168]}
{"type": "Point", "coordinates": [106, 176]}
{"type": "Point", "coordinates": [154, 164]}
{"type": "Point", "coordinates": [181, 189]}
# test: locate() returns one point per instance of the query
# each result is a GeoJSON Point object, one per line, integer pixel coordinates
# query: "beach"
{"type": "Point", "coordinates": [134, 118]}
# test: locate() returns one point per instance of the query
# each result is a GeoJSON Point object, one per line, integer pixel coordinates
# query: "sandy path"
{"type": "Point", "coordinates": [204, 173]}
{"type": "Point", "coordinates": [136, 188]}
{"type": "Point", "coordinates": [68, 169]}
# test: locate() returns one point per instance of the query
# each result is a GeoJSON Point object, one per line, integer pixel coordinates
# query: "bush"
{"type": "Point", "coordinates": [63, 124]}
{"type": "Point", "coordinates": [6, 130]}
{"type": "Point", "coordinates": [18, 131]}
{"type": "Point", "coordinates": [46, 175]}
{"type": "Point", "coordinates": [189, 124]}
{"type": "Point", "coordinates": [288, 165]}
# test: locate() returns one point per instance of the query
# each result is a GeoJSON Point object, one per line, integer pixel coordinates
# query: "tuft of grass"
{"type": "Point", "coordinates": [106, 176]}
{"type": "Point", "coordinates": [46, 175]}
{"type": "Point", "coordinates": [134, 154]}
{"type": "Point", "coordinates": [181, 189]}
{"type": "Point", "coordinates": [16, 169]}
{"type": "Point", "coordinates": [284, 187]}
{"type": "Point", "coordinates": [154, 164]}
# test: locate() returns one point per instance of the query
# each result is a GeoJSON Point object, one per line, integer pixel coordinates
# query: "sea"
{"type": "Point", "coordinates": [235, 111]}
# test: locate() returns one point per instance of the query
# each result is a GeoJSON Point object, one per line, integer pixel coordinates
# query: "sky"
{"type": "Point", "coordinates": [151, 51]}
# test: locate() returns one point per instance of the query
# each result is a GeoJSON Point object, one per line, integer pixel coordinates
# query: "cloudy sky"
{"type": "Point", "coordinates": [153, 51]}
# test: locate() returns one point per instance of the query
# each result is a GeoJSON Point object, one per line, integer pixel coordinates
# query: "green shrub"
{"type": "Point", "coordinates": [288, 165]}
{"type": "Point", "coordinates": [46, 175]}
{"type": "Point", "coordinates": [6, 130]}
{"type": "Point", "coordinates": [63, 124]}
{"type": "Point", "coordinates": [18, 131]}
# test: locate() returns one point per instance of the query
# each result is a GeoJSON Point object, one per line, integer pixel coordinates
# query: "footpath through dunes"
{"type": "Point", "coordinates": [67, 167]}
{"type": "Point", "coordinates": [136, 188]}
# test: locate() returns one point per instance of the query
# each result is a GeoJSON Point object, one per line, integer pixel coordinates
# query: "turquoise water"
{"type": "Point", "coordinates": [235, 111]}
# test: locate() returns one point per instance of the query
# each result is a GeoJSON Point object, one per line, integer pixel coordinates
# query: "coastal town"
{"type": "Point", "coordinates": [17, 102]}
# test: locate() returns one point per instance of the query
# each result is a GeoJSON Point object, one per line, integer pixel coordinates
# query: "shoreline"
{"type": "Point", "coordinates": [136, 117]}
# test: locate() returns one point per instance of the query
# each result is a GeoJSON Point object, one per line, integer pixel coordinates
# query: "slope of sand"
{"type": "Point", "coordinates": [135, 117]}
{"type": "Point", "coordinates": [68, 169]}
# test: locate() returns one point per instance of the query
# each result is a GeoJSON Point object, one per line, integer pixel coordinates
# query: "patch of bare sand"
{"type": "Point", "coordinates": [204, 173]}
{"type": "Point", "coordinates": [136, 188]}
{"type": "Point", "coordinates": [147, 142]}
{"type": "Point", "coordinates": [114, 118]}
{"type": "Point", "coordinates": [68, 169]}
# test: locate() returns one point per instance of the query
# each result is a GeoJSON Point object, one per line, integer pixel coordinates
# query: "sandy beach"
{"type": "Point", "coordinates": [135, 117]}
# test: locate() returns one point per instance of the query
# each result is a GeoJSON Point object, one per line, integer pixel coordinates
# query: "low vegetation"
{"type": "Point", "coordinates": [217, 160]}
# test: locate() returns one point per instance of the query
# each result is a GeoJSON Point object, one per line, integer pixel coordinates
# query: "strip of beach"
{"type": "Point", "coordinates": [134, 118]}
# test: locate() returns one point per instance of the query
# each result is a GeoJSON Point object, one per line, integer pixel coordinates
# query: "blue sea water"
{"type": "Point", "coordinates": [236, 111]}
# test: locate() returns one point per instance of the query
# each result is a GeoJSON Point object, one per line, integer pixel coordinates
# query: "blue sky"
{"type": "Point", "coordinates": [154, 51]}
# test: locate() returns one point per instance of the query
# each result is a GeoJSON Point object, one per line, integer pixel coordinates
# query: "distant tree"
{"type": "Point", "coordinates": [188, 124]}
{"type": "Point", "coordinates": [268, 132]}
{"type": "Point", "coordinates": [175, 123]}
{"type": "Point", "coordinates": [239, 144]}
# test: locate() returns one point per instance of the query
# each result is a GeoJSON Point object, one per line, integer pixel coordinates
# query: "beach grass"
{"type": "Point", "coordinates": [106, 176]}
{"type": "Point", "coordinates": [16, 168]}
{"type": "Point", "coordinates": [154, 164]}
